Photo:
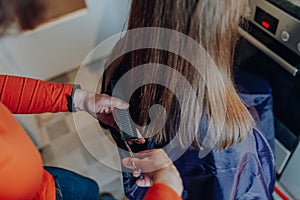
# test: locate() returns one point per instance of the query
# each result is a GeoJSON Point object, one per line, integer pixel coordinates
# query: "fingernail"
{"type": "Point", "coordinates": [147, 183]}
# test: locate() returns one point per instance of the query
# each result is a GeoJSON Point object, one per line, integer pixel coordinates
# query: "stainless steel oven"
{"type": "Point", "coordinates": [271, 48]}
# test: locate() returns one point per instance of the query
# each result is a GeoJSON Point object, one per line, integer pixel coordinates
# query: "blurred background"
{"type": "Point", "coordinates": [53, 51]}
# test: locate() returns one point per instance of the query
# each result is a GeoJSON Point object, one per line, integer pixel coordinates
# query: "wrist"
{"type": "Point", "coordinates": [79, 100]}
{"type": "Point", "coordinates": [170, 177]}
{"type": "Point", "coordinates": [71, 98]}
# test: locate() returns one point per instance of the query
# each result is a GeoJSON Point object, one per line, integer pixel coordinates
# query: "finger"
{"type": "Point", "coordinates": [127, 162]}
{"type": "Point", "coordinates": [118, 103]}
{"type": "Point", "coordinates": [140, 164]}
{"type": "Point", "coordinates": [140, 141]}
{"type": "Point", "coordinates": [106, 119]}
{"type": "Point", "coordinates": [103, 100]}
{"type": "Point", "coordinates": [140, 138]}
{"type": "Point", "coordinates": [145, 182]}
{"type": "Point", "coordinates": [136, 172]}
{"type": "Point", "coordinates": [146, 153]}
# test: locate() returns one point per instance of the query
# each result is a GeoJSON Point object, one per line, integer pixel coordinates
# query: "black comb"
{"type": "Point", "coordinates": [122, 117]}
{"type": "Point", "coordinates": [125, 124]}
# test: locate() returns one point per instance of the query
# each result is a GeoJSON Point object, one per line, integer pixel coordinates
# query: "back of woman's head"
{"type": "Point", "coordinates": [217, 111]}
{"type": "Point", "coordinates": [213, 23]}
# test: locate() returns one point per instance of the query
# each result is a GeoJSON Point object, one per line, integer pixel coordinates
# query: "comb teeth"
{"type": "Point", "coordinates": [124, 122]}
{"type": "Point", "coordinates": [123, 117]}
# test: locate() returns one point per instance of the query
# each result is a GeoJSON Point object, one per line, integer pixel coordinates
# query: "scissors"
{"type": "Point", "coordinates": [131, 155]}
{"type": "Point", "coordinates": [132, 161]}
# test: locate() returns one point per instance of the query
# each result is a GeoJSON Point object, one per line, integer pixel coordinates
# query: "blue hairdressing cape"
{"type": "Point", "coordinates": [244, 171]}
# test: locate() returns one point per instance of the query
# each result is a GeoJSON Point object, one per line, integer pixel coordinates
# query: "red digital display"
{"type": "Point", "coordinates": [266, 21]}
{"type": "Point", "coordinates": [265, 24]}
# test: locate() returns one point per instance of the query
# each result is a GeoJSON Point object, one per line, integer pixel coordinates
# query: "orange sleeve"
{"type": "Point", "coordinates": [161, 191]}
{"type": "Point", "coordinates": [28, 96]}
{"type": "Point", "coordinates": [21, 167]}
{"type": "Point", "coordinates": [47, 189]}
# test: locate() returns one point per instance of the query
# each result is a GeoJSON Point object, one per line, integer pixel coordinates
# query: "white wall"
{"type": "Point", "coordinates": [62, 45]}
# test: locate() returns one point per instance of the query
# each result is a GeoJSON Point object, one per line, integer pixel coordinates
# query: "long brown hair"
{"type": "Point", "coordinates": [213, 24]}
